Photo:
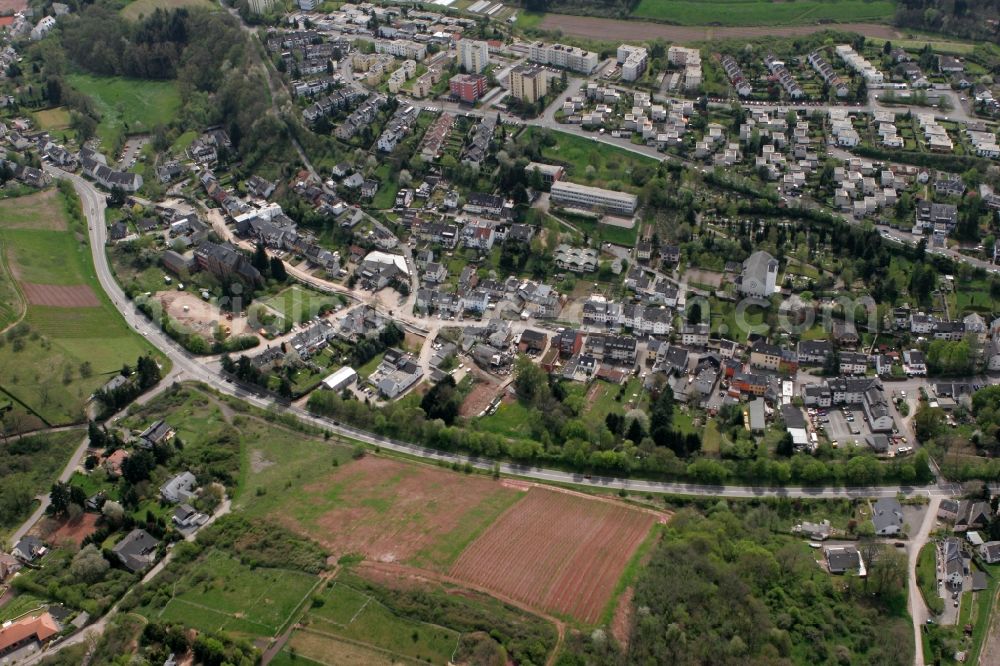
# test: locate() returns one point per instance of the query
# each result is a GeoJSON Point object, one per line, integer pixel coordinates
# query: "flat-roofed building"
{"type": "Point", "coordinates": [571, 194]}
{"type": "Point", "coordinates": [562, 55]}
{"type": "Point", "coordinates": [528, 83]}
{"type": "Point", "coordinates": [549, 173]}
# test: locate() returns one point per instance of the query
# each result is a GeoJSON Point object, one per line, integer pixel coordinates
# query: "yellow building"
{"type": "Point", "coordinates": [529, 83]}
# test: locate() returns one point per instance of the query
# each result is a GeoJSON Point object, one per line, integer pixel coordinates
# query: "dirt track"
{"type": "Point", "coordinates": [617, 30]}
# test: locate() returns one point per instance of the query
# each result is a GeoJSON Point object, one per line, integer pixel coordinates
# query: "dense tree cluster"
{"type": "Point", "coordinates": [723, 587]}
{"type": "Point", "coordinates": [962, 18]}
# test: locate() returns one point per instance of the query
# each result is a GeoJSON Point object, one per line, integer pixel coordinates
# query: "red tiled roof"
{"type": "Point", "coordinates": [42, 627]}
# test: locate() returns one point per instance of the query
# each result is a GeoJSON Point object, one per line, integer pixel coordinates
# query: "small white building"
{"type": "Point", "coordinates": [340, 379]}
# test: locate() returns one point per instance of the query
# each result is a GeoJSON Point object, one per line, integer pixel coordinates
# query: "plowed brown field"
{"type": "Point", "coordinates": [556, 551]}
{"type": "Point", "coordinates": [76, 296]}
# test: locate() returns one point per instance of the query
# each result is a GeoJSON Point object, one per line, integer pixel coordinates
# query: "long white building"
{"type": "Point", "coordinates": [561, 55]}
{"type": "Point", "coordinates": [401, 48]}
{"type": "Point", "coordinates": [571, 194]}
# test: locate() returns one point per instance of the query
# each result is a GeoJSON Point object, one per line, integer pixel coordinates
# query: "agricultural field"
{"type": "Point", "coordinates": [136, 10]}
{"type": "Point", "coordinates": [763, 12]}
{"type": "Point", "coordinates": [557, 551]}
{"type": "Point", "coordinates": [385, 510]}
{"type": "Point", "coordinates": [128, 106]}
{"type": "Point", "coordinates": [71, 339]}
{"type": "Point", "coordinates": [222, 594]}
{"type": "Point", "coordinates": [28, 467]}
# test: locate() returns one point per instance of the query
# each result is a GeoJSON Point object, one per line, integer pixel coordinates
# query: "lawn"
{"type": "Point", "coordinates": [510, 420]}
{"type": "Point", "coordinates": [368, 368]}
{"type": "Point", "coordinates": [763, 12]}
{"type": "Point", "coordinates": [28, 467]}
{"type": "Point", "coordinates": [927, 577]}
{"type": "Point", "coordinates": [385, 197]}
{"type": "Point", "coordinates": [605, 233]}
{"type": "Point", "coordinates": [52, 119]}
{"type": "Point", "coordinates": [219, 592]}
{"type": "Point", "coordinates": [136, 10]}
{"type": "Point", "coordinates": [128, 106]}
{"type": "Point", "coordinates": [298, 304]}
{"type": "Point", "coordinates": [612, 166]}
{"type": "Point", "coordinates": [63, 353]}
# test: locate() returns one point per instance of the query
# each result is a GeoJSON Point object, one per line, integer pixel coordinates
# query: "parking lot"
{"type": "Point", "coordinates": [841, 431]}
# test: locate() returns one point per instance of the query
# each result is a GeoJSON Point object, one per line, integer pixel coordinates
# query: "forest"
{"type": "Point", "coordinates": [960, 18]}
{"type": "Point", "coordinates": [205, 52]}
{"type": "Point", "coordinates": [725, 586]}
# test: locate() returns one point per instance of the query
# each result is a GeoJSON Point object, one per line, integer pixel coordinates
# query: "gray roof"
{"type": "Point", "coordinates": [137, 550]}
{"type": "Point", "coordinates": [887, 512]}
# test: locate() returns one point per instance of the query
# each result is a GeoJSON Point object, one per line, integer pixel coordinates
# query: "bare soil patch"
{"type": "Point", "coordinates": [990, 652]}
{"type": "Point", "coordinates": [479, 398]}
{"type": "Point", "coordinates": [258, 463]}
{"type": "Point", "coordinates": [621, 622]}
{"type": "Point", "coordinates": [617, 30]}
{"type": "Point", "coordinates": [201, 316]}
{"type": "Point", "coordinates": [76, 531]}
{"type": "Point", "coordinates": [558, 551]}
{"type": "Point", "coordinates": [413, 342]}
{"type": "Point", "coordinates": [701, 276]}
{"type": "Point", "coordinates": [60, 296]}
{"type": "Point", "coordinates": [13, 6]}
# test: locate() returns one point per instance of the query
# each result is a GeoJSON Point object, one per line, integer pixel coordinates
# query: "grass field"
{"type": "Point", "coordinates": [52, 119]}
{"type": "Point", "coordinates": [763, 12]}
{"type": "Point", "coordinates": [296, 303]}
{"type": "Point", "coordinates": [220, 593]}
{"type": "Point", "coordinates": [612, 165]}
{"type": "Point", "coordinates": [11, 302]}
{"type": "Point", "coordinates": [44, 366]}
{"type": "Point", "coordinates": [128, 106]}
{"type": "Point", "coordinates": [135, 10]}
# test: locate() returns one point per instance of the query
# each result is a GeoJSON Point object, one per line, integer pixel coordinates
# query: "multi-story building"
{"type": "Point", "coordinates": [401, 48]}
{"type": "Point", "coordinates": [561, 55]}
{"type": "Point", "coordinates": [566, 193]}
{"type": "Point", "coordinates": [467, 87]}
{"type": "Point", "coordinates": [529, 83]}
{"type": "Point", "coordinates": [633, 61]}
{"type": "Point", "coordinates": [473, 55]}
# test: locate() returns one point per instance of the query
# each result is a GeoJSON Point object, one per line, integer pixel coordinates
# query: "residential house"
{"type": "Point", "coordinates": [137, 551]}
{"type": "Point", "coordinates": [887, 516]}
{"type": "Point", "coordinates": [29, 549]}
{"type": "Point", "coordinates": [844, 559]}
{"type": "Point", "coordinates": [179, 489]}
